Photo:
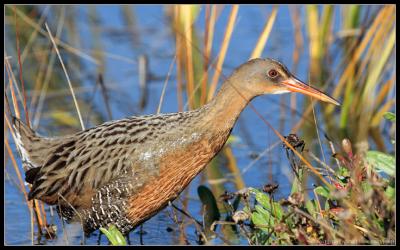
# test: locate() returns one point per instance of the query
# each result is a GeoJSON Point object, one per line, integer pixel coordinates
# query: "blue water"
{"type": "Point", "coordinates": [154, 38]}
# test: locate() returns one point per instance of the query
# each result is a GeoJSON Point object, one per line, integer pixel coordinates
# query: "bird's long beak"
{"type": "Point", "coordinates": [295, 85]}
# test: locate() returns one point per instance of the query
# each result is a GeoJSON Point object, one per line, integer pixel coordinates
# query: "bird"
{"type": "Point", "coordinates": [123, 172]}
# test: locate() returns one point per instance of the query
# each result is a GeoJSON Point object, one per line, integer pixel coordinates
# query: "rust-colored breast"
{"type": "Point", "coordinates": [177, 170]}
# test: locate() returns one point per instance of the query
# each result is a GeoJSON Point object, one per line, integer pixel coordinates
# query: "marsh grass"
{"type": "Point", "coordinates": [359, 209]}
{"type": "Point", "coordinates": [364, 80]}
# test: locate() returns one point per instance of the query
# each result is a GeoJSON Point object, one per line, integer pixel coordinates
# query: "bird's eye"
{"type": "Point", "coordinates": [272, 73]}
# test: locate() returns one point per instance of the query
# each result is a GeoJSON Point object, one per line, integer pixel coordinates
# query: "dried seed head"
{"type": "Point", "coordinates": [270, 188]}
{"type": "Point", "coordinates": [226, 196]}
{"type": "Point", "coordinates": [294, 141]}
{"type": "Point", "coordinates": [244, 193]}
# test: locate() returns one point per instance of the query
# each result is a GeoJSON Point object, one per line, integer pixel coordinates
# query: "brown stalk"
{"type": "Point", "coordinates": [222, 53]}
{"type": "Point", "coordinates": [306, 113]}
{"type": "Point", "coordinates": [14, 163]}
{"type": "Point", "coordinates": [38, 82]}
{"type": "Point", "coordinates": [34, 34]}
{"type": "Point", "coordinates": [67, 76]}
{"type": "Point", "coordinates": [371, 53]}
{"type": "Point", "coordinates": [208, 38]}
{"type": "Point", "coordinates": [10, 83]}
{"type": "Point", "coordinates": [319, 142]}
{"type": "Point", "coordinates": [232, 166]}
{"type": "Point", "coordinates": [262, 40]}
{"type": "Point", "coordinates": [22, 187]}
{"type": "Point", "coordinates": [66, 46]}
{"type": "Point", "coordinates": [187, 32]}
{"type": "Point", "coordinates": [21, 183]}
{"type": "Point", "coordinates": [47, 76]}
{"type": "Point", "coordinates": [20, 70]}
{"type": "Point", "coordinates": [298, 41]}
{"type": "Point", "coordinates": [357, 55]}
{"type": "Point", "coordinates": [179, 62]}
{"type": "Point", "coordinates": [385, 89]}
{"type": "Point", "coordinates": [165, 85]}
{"type": "Point", "coordinates": [104, 93]}
{"type": "Point", "coordinates": [378, 116]}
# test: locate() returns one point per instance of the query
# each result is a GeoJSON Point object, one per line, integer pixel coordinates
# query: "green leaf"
{"type": "Point", "coordinates": [390, 116]}
{"type": "Point", "coordinates": [114, 236]}
{"type": "Point", "coordinates": [266, 202]}
{"type": "Point", "coordinates": [109, 236]}
{"type": "Point", "coordinates": [278, 211]}
{"type": "Point", "coordinates": [120, 239]}
{"type": "Point", "coordinates": [263, 199]}
{"type": "Point", "coordinates": [323, 191]}
{"type": "Point", "coordinates": [327, 207]}
{"type": "Point", "coordinates": [263, 212]}
{"type": "Point", "coordinates": [260, 221]}
{"type": "Point", "coordinates": [381, 161]}
{"type": "Point", "coordinates": [343, 172]}
{"type": "Point", "coordinates": [311, 208]}
{"type": "Point", "coordinates": [211, 209]}
{"type": "Point", "coordinates": [390, 192]}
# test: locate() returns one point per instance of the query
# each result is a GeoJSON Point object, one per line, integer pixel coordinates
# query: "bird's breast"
{"type": "Point", "coordinates": [177, 168]}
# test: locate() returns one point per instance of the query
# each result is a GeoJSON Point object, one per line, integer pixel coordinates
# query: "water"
{"type": "Point", "coordinates": [154, 39]}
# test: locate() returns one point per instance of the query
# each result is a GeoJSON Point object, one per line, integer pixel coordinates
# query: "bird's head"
{"type": "Point", "coordinates": [268, 76]}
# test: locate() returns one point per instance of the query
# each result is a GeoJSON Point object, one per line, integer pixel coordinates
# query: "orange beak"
{"type": "Point", "coordinates": [295, 85]}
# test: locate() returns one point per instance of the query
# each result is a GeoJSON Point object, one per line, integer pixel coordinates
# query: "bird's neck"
{"type": "Point", "coordinates": [226, 106]}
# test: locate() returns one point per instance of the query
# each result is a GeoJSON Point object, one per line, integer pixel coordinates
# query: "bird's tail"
{"type": "Point", "coordinates": [32, 147]}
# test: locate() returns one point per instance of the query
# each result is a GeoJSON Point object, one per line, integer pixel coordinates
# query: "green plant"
{"type": "Point", "coordinates": [357, 208]}
{"type": "Point", "coordinates": [114, 236]}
